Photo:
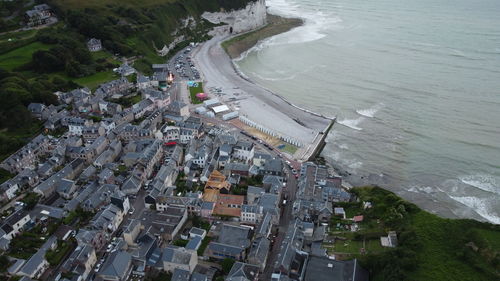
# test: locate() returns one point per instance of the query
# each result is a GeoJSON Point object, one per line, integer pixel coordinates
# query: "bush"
{"type": "Point", "coordinates": [227, 264]}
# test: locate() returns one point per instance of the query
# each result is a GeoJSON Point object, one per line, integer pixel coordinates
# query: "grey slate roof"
{"type": "Point", "coordinates": [117, 264]}
{"type": "Point", "coordinates": [322, 268]}
{"type": "Point", "coordinates": [242, 271]}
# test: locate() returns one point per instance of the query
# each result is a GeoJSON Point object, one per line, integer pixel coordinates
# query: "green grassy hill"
{"type": "Point", "coordinates": [430, 247]}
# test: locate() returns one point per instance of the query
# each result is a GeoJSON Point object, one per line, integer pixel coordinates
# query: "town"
{"type": "Point", "coordinates": [151, 177]}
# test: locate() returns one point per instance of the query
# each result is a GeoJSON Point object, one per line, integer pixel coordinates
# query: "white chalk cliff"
{"type": "Point", "coordinates": [251, 17]}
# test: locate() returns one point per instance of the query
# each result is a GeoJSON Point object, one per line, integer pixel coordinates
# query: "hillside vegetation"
{"type": "Point", "coordinates": [35, 63]}
{"type": "Point", "coordinates": [429, 247]}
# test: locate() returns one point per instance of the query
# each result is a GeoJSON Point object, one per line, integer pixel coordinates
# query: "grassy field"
{"type": "Point", "coordinates": [78, 4]}
{"type": "Point", "coordinates": [93, 81]}
{"type": "Point", "coordinates": [195, 90]}
{"type": "Point", "coordinates": [430, 247]}
{"type": "Point", "coordinates": [17, 36]}
{"type": "Point", "coordinates": [20, 56]}
{"type": "Point", "coordinates": [290, 149]}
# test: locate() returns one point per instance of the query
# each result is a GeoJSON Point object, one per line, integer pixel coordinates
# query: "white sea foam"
{"type": "Point", "coordinates": [370, 112]}
{"type": "Point", "coordinates": [315, 22]}
{"type": "Point", "coordinates": [483, 182]}
{"type": "Point", "coordinates": [355, 165]}
{"type": "Point", "coordinates": [420, 189]}
{"type": "Point", "coordinates": [479, 205]}
{"type": "Point", "coordinates": [351, 123]}
{"type": "Point", "coordinates": [343, 146]}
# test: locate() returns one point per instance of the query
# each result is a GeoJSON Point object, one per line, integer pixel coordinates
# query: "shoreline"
{"type": "Point", "coordinates": [237, 45]}
{"type": "Point", "coordinates": [256, 102]}
{"type": "Point", "coordinates": [418, 199]}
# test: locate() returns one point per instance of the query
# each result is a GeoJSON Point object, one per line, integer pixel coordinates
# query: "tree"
{"type": "Point", "coordinates": [4, 263]}
{"type": "Point", "coordinates": [227, 264]}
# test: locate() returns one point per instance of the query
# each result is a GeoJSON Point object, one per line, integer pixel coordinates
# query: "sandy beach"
{"type": "Point", "coordinates": [251, 100]}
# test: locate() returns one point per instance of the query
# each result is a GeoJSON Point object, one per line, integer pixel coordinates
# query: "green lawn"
{"type": "Point", "coordinates": [20, 56]}
{"type": "Point", "coordinates": [93, 81]}
{"type": "Point", "coordinates": [54, 257]}
{"type": "Point", "coordinates": [16, 36]}
{"type": "Point", "coordinates": [195, 90]}
{"type": "Point", "coordinates": [429, 247]}
{"type": "Point", "coordinates": [290, 149]}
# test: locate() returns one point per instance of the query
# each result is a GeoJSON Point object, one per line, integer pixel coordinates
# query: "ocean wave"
{"type": "Point", "coordinates": [355, 165]}
{"type": "Point", "coordinates": [351, 123]}
{"type": "Point", "coordinates": [370, 112]}
{"type": "Point", "coordinates": [484, 182]}
{"type": "Point", "coordinates": [288, 77]}
{"type": "Point", "coordinates": [479, 205]}
{"type": "Point", "coordinates": [420, 189]}
{"type": "Point", "coordinates": [343, 146]}
{"type": "Point", "coordinates": [315, 22]}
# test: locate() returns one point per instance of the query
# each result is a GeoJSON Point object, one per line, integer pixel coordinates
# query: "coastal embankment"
{"type": "Point", "coordinates": [254, 101]}
{"type": "Point", "coordinates": [239, 44]}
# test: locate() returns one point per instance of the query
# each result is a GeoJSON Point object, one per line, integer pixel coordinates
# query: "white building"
{"type": "Point", "coordinates": [243, 151]}
{"type": "Point", "coordinates": [251, 214]}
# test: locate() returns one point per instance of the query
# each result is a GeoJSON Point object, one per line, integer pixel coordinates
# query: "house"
{"type": "Point", "coordinates": [27, 156]}
{"type": "Point", "coordinates": [70, 171]}
{"type": "Point", "coordinates": [14, 224]}
{"type": "Point", "coordinates": [177, 257]}
{"type": "Point", "coordinates": [259, 252]}
{"type": "Point", "coordinates": [272, 167]}
{"type": "Point", "coordinates": [165, 224]}
{"type": "Point", "coordinates": [116, 87]}
{"type": "Point", "coordinates": [108, 219]}
{"type": "Point", "coordinates": [131, 232]}
{"type": "Point", "coordinates": [235, 168]}
{"type": "Point", "coordinates": [37, 264]}
{"type": "Point", "coordinates": [243, 272]}
{"type": "Point", "coordinates": [194, 243]}
{"type": "Point", "coordinates": [322, 268]}
{"type": "Point", "coordinates": [40, 14]}
{"type": "Point", "coordinates": [244, 151]}
{"type": "Point", "coordinates": [229, 205]}
{"type": "Point", "coordinates": [140, 108]}
{"type": "Point", "coordinates": [177, 109]}
{"type": "Point", "coordinates": [66, 188]}
{"type": "Point", "coordinates": [251, 214]}
{"type": "Point", "coordinates": [81, 261]}
{"type": "Point", "coordinates": [37, 109]}
{"type": "Point", "coordinates": [8, 190]}
{"type": "Point", "coordinates": [76, 125]}
{"type": "Point", "coordinates": [143, 82]}
{"type": "Point", "coordinates": [94, 45]}
{"type": "Point", "coordinates": [125, 70]}
{"type": "Point", "coordinates": [184, 275]}
{"type": "Point", "coordinates": [260, 158]}
{"type": "Point", "coordinates": [390, 241]}
{"type": "Point", "coordinates": [189, 129]}
{"type": "Point", "coordinates": [315, 210]}
{"type": "Point", "coordinates": [207, 208]}
{"type": "Point", "coordinates": [95, 238]}
{"type": "Point", "coordinates": [91, 133]}
{"type": "Point", "coordinates": [117, 267]}
{"type": "Point", "coordinates": [217, 181]}
{"type": "Point", "coordinates": [339, 211]}
{"type": "Point", "coordinates": [254, 193]}
{"type": "Point", "coordinates": [357, 218]}
{"type": "Point", "coordinates": [195, 231]}
{"type": "Point", "coordinates": [291, 259]}
{"type": "Point", "coordinates": [231, 243]}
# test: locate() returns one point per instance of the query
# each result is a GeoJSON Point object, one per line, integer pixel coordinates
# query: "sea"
{"type": "Point", "coordinates": [415, 87]}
